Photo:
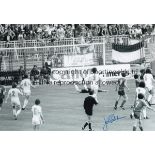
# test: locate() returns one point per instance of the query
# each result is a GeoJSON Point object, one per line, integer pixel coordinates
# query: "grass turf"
{"type": "Point", "coordinates": [63, 110]}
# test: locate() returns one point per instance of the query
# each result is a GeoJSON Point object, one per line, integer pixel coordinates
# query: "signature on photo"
{"type": "Point", "coordinates": [110, 119]}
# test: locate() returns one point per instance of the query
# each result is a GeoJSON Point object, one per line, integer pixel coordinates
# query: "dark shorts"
{"type": "Point", "coordinates": [84, 91]}
{"type": "Point", "coordinates": [121, 92]}
{"type": "Point", "coordinates": [89, 112]}
{"type": "Point", "coordinates": [1, 101]}
{"type": "Point", "coordinates": [137, 115]}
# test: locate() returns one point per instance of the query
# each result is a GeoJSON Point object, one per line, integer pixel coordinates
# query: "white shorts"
{"type": "Point", "coordinates": [27, 92]}
{"type": "Point", "coordinates": [15, 102]}
{"type": "Point", "coordinates": [36, 121]}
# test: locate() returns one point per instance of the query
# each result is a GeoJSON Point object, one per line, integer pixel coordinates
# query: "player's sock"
{"type": "Point", "coordinates": [124, 101]}
{"type": "Point", "coordinates": [141, 128]}
{"type": "Point", "coordinates": [116, 103]}
{"type": "Point", "coordinates": [18, 112]}
{"type": "Point", "coordinates": [84, 125]}
{"type": "Point", "coordinates": [25, 103]}
{"type": "Point", "coordinates": [149, 98]}
{"type": "Point", "coordinates": [134, 128]}
{"type": "Point", "coordinates": [90, 129]}
{"type": "Point", "coordinates": [14, 112]}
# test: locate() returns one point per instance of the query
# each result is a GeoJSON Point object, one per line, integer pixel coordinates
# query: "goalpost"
{"type": "Point", "coordinates": [24, 55]}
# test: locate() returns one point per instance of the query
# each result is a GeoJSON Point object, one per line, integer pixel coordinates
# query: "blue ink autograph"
{"type": "Point", "coordinates": [110, 119]}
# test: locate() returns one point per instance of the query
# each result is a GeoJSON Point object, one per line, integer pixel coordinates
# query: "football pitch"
{"type": "Point", "coordinates": [63, 110]}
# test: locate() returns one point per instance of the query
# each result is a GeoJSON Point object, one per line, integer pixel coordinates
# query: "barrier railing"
{"type": "Point", "coordinates": [66, 41]}
{"type": "Point", "coordinates": [120, 39]}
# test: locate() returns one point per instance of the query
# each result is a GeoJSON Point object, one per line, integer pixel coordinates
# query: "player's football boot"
{"type": "Point", "coordinates": [122, 107]}
{"type": "Point", "coordinates": [131, 116]}
{"type": "Point", "coordinates": [146, 117]}
{"type": "Point", "coordinates": [91, 130]}
{"type": "Point", "coordinates": [115, 108]}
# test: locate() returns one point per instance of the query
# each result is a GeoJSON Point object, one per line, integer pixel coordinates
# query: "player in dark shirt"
{"type": "Point", "coordinates": [89, 102]}
{"type": "Point", "coordinates": [2, 95]}
{"type": "Point", "coordinates": [137, 81]}
{"type": "Point", "coordinates": [34, 75]}
{"type": "Point", "coordinates": [44, 75]}
{"type": "Point", "coordinates": [121, 91]}
{"type": "Point", "coordinates": [138, 107]}
{"type": "Point", "coordinates": [21, 72]}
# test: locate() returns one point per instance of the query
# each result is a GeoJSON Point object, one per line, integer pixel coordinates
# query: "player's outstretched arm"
{"type": "Point", "coordinates": [21, 93]}
{"type": "Point", "coordinates": [77, 88]}
{"type": "Point", "coordinates": [42, 118]}
{"type": "Point", "coordinates": [85, 87]}
{"type": "Point", "coordinates": [126, 85]}
{"type": "Point", "coordinates": [151, 108]}
{"type": "Point", "coordinates": [148, 106]}
{"type": "Point", "coordinates": [96, 101]}
{"type": "Point", "coordinates": [116, 87]}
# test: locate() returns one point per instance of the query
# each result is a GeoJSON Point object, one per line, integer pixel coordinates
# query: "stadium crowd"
{"type": "Point", "coordinates": [10, 32]}
{"type": "Point", "coordinates": [37, 75]}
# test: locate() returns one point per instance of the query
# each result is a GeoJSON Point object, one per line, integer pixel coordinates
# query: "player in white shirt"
{"type": "Point", "coordinates": [26, 89]}
{"type": "Point", "coordinates": [148, 79]}
{"type": "Point", "coordinates": [15, 102]}
{"type": "Point", "coordinates": [141, 90]}
{"type": "Point", "coordinates": [37, 118]}
{"type": "Point", "coordinates": [153, 97]}
{"type": "Point", "coordinates": [94, 82]}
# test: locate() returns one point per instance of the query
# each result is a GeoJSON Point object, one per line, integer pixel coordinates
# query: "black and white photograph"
{"type": "Point", "coordinates": [77, 77]}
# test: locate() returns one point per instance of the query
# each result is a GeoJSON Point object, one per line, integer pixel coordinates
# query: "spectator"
{"type": "Point", "coordinates": [48, 63]}
{"type": "Point", "coordinates": [89, 34]}
{"type": "Point", "coordinates": [8, 34]}
{"type": "Point", "coordinates": [60, 32]}
{"type": "Point", "coordinates": [69, 32]}
{"type": "Point", "coordinates": [95, 29]}
{"type": "Point", "coordinates": [138, 32]}
{"type": "Point", "coordinates": [34, 75]}
{"type": "Point", "coordinates": [144, 30]}
{"type": "Point", "coordinates": [21, 72]}
{"type": "Point", "coordinates": [21, 38]}
{"type": "Point", "coordinates": [54, 32]}
{"type": "Point", "coordinates": [45, 75]}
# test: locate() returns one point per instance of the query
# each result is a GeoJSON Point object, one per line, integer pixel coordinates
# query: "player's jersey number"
{"type": "Point", "coordinates": [13, 93]}
{"type": "Point", "coordinates": [25, 84]}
